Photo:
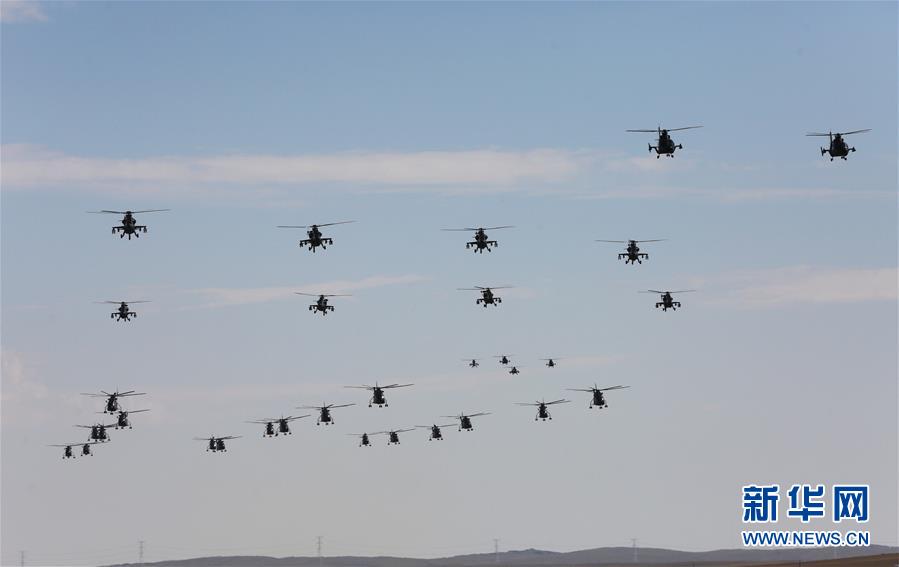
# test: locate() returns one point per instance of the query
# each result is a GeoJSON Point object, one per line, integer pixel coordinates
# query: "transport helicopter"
{"type": "Point", "coordinates": [465, 420]}
{"type": "Point", "coordinates": [129, 226]}
{"type": "Point", "coordinates": [550, 363]}
{"type": "Point", "coordinates": [324, 412]}
{"type": "Point", "coordinates": [112, 400]}
{"type": "Point", "coordinates": [314, 235]}
{"type": "Point", "coordinates": [667, 302]}
{"type": "Point", "coordinates": [473, 363]}
{"type": "Point", "coordinates": [666, 145]}
{"type": "Point", "coordinates": [598, 399]}
{"type": "Point", "coordinates": [632, 254]}
{"type": "Point", "coordinates": [377, 393]}
{"type": "Point", "coordinates": [435, 434]}
{"type": "Point", "coordinates": [321, 305]}
{"type": "Point", "coordinates": [838, 146]}
{"type": "Point", "coordinates": [480, 242]}
{"type": "Point", "coordinates": [123, 313]}
{"type": "Point", "coordinates": [98, 431]}
{"type": "Point", "coordinates": [487, 295]}
{"type": "Point", "coordinates": [542, 412]}
{"type": "Point", "coordinates": [393, 436]}
{"type": "Point", "coordinates": [504, 359]}
{"type": "Point", "coordinates": [216, 444]}
{"type": "Point", "coordinates": [277, 426]}
{"type": "Point", "coordinates": [122, 420]}
{"type": "Point", "coordinates": [363, 439]}
{"type": "Point", "coordinates": [67, 452]}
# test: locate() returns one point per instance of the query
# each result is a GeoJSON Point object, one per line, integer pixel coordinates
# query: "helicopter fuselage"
{"type": "Point", "coordinates": [667, 303]}
{"type": "Point", "coordinates": [315, 239]}
{"type": "Point", "coordinates": [488, 298]}
{"type": "Point", "coordinates": [480, 242]}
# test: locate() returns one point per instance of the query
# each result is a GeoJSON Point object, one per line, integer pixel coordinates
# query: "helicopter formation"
{"type": "Point", "coordinates": [98, 433]}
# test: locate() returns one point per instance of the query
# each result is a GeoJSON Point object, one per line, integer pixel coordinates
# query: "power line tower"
{"type": "Point", "coordinates": [496, 550]}
{"type": "Point", "coordinates": [634, 547]}
{"type": "Point", "coordinates": [140, 552]}
{"type": "Point", "coordinates": [318, 547]}
{"type": "Point", "coordinates": [22, 559]}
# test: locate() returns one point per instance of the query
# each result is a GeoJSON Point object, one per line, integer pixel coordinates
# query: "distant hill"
{"type": "Point", "coordinates": [873, 556]}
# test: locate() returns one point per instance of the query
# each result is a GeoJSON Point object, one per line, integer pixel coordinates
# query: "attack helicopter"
{"type": "Point", "coordinates": [282, 422]}
{"type": "Point", "coordinates": [487, 295]}
{"type": "Point", "coordinates": [363, 439]}
{"type": "Point", "coordinates": [504, 359]}
{"type": "Point", "coordinates": [393, 436]}
{"type": "Point", "coordinates": [436, 434]}
{"type": "Point", "coordinates": [216, 444]}
{"type": "Point", "coordinates": [324, 412]}
{"type": "Point", "coordinates": [123, 313]}
{"type": "Point", "coordinates": [112, 400]}
{"type": "Point", "coordinates": [632, 254]}
{"type": "Point", "coordinates": [514, 370]}
{"type": "Point", "coordinates": [129, 224]}
{"type": "Point", "coordinates": [473, 363]}
{"type": "Point", "coordinates": [122, 420]}
{"type": "Point", "coordinates": [98, 431]}
{"type": "Point", "coordinates": [598, 399]}
{"type": "Point", "coordinates": [838, 146]}
{"type": "Point", "coordinates": [67, 452]}
{"type": "Point", "coordinates": [542, 412]}
{"type": "Point", "coordinates": [550, 362]}
{"type": "Point", "coordinates": [321, 305]}
{"type": "Point", "coordinates": [666, 145]}
{"type": "Point", "coordinates": [465, 420]}
{"type": "Point", "coordinates": [377, 393]}
{"type": "Point", "coordinates": [315, 238]}
{"type": "Point", "coordinates": [480, 242]}
{"type": "Point", "coordinates": [667, 302]}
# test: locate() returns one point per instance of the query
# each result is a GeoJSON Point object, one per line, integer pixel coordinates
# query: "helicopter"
{"type": "Point", "coordinates": [550, 363]}
{"type": "Point", "coordinates": [123, 313]}
{"type": "Point", "coordinates": [322, 304]}
{"type": "Point", "coordinates": [504, 359]}
{"type": "Point", "coordinates": [480, 242]}
{"type": "Point", "coordinates": [282, 422]}
{"type": "Point", "coordinates": [112, 400]}
{"type": "Point", "coordinates": [129, 224]}
{"type": "Point", "coordinates": [216, 444]}
{"type": "Point", "coordinates": [598, 399]}
{"type": "Point", "coordinates": [666, 145]}
{"type": "Point", "coordinates": [473, 363]}
{"type": "Point", "coordinates": [632, 254]}
{"type": "Point", "coordinates": [514, 370]}
{"type": "Point", "coordinates": [838, 146]}
{"type": "Point", "coordinates": [542, 412]}
{"type": "Point", "coordinates": [436, 434]}
{"type": "Point", "coordinates": [67, 452]}
{"type": "Point", "coordinates": [363, 439]}
{"type": "Point", "coordinates": [122, 420]}
{"type": "Point", "coordinates": [487, 296]}
{"type": "Point", "coordinates": [667, 301]}
{"type": "Point", "coordinates": [465, 420]}
{"type": "Point", "coordinates": [377, 393]}
{"type": "Point", "coordinates": [324, 412]}
{"type": "Point", "coordinates": [98, 431]}
{"type": "Point", "coordinates": [315, 238]}
{"type": "Point", "coordinates": [393, 436]}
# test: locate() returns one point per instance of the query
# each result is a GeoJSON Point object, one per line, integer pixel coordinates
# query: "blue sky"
{"type": "Point", "coordinates": [410, 118]}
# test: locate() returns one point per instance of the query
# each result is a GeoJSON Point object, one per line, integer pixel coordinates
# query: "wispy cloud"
{"type": "Point", "coordinates": [220, 297]}
{"type": "Point", "coordinates": [804, 284]}
{"type": "Point", "coordinates": [735, 194]}
{"type": "Point", "coordinates": [21, 11]}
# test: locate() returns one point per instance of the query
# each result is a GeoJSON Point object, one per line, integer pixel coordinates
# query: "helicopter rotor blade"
{"type": "Point", "coordinates": [854, 132]}
{"type": "Point", "coordinates": [683, 291]}
{"type": "Point", "coordinates": [334, 223]}
{"type": "Point", "coordinates": [653, 131]}
{"type": "Point", "coordinates": [108, 212]}
{"type": "Point", "coordinates": [478, 414]}
{"type": "Point", "coordinates": [498, 227]}
{"type": "Point", "coordinates": [526, 404]}
{"type": "Point", "coordinates": [616, 241]}
{"type": "Point", "coordinates": [395, 386]}
{"type": "Point", "coordinates": [651, 291]}
{"type": "Point", "coordinates": [150, 211]}
{"type": "Point", "coordinates": [684, 128]}
{"type": "Point", "coordinates": [819, 134]}
{"type": "Point", "coordinates": [612, 388]}
{"type": "Point", "coordinates": [229, 437]}
{"type": "Point", "coordinates": [579, 389]}
{"type": "Point", "coordinates": [562, 401]}
{"type": "Point", "coordinates": [653, 240]}
{"type": "Point", "coordinates": [339, 406]}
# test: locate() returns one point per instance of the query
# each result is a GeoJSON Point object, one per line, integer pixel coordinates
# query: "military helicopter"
{"type": "Point", "coordinates": [667, 301]}
{"type": "Point", "coordinates": [598, 399]}
{"type": "Point", "coordinates": [324, 412]}
{"type": "Point", "coordinates": [112, 400]}
{"type": "Point", "coordinates": [282, 425]}
{"type": "Point", "coordinates": [67, 452]}
{"type": "Point", "coordinates": [666, 145]}
{"type": "Point", "coordinates": [838, 146]}
{"type": "Point", "coordinates": [473, 363]}
{"type": "Point", "coordinates": [514, 370]}
{"type": "Point", "coordinates": [122, 420]}
{"type": "Point", "coordinates": [542, 412]}
{"type": "Point", "coordinates": [504, 359]}
{"type": "Point", "coordinates": [436, 434]}
{"type": "Point", "coordinates": [129, 224]}
{"type": "Point", "coordinates": [393, 436]}
{"type": "Point", "coordinates": [632, 254]}
{"type": "Point", "coordinates": [550, 363]}
{"type": "Point", "coordinates": [465, 420]}
{"type": "Point", "coordinates": [216, 444]}
{"type": "Point", "coordinates": [315, 238]}
{"type": "Point", "coordinates": [321, 305]}
{"type": "Point", "coordinates": [98, 431]}
{"type": "Point", "coordinates": [487, 296]}
{"type": "Point", "coordinates": [123, 313]}
{"type": "Point", "coordinates": [363, 439]}
{"type": "Point", "coordinates": [480, 242]}
{"type": "Point", "coordinates": [377, 393]}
